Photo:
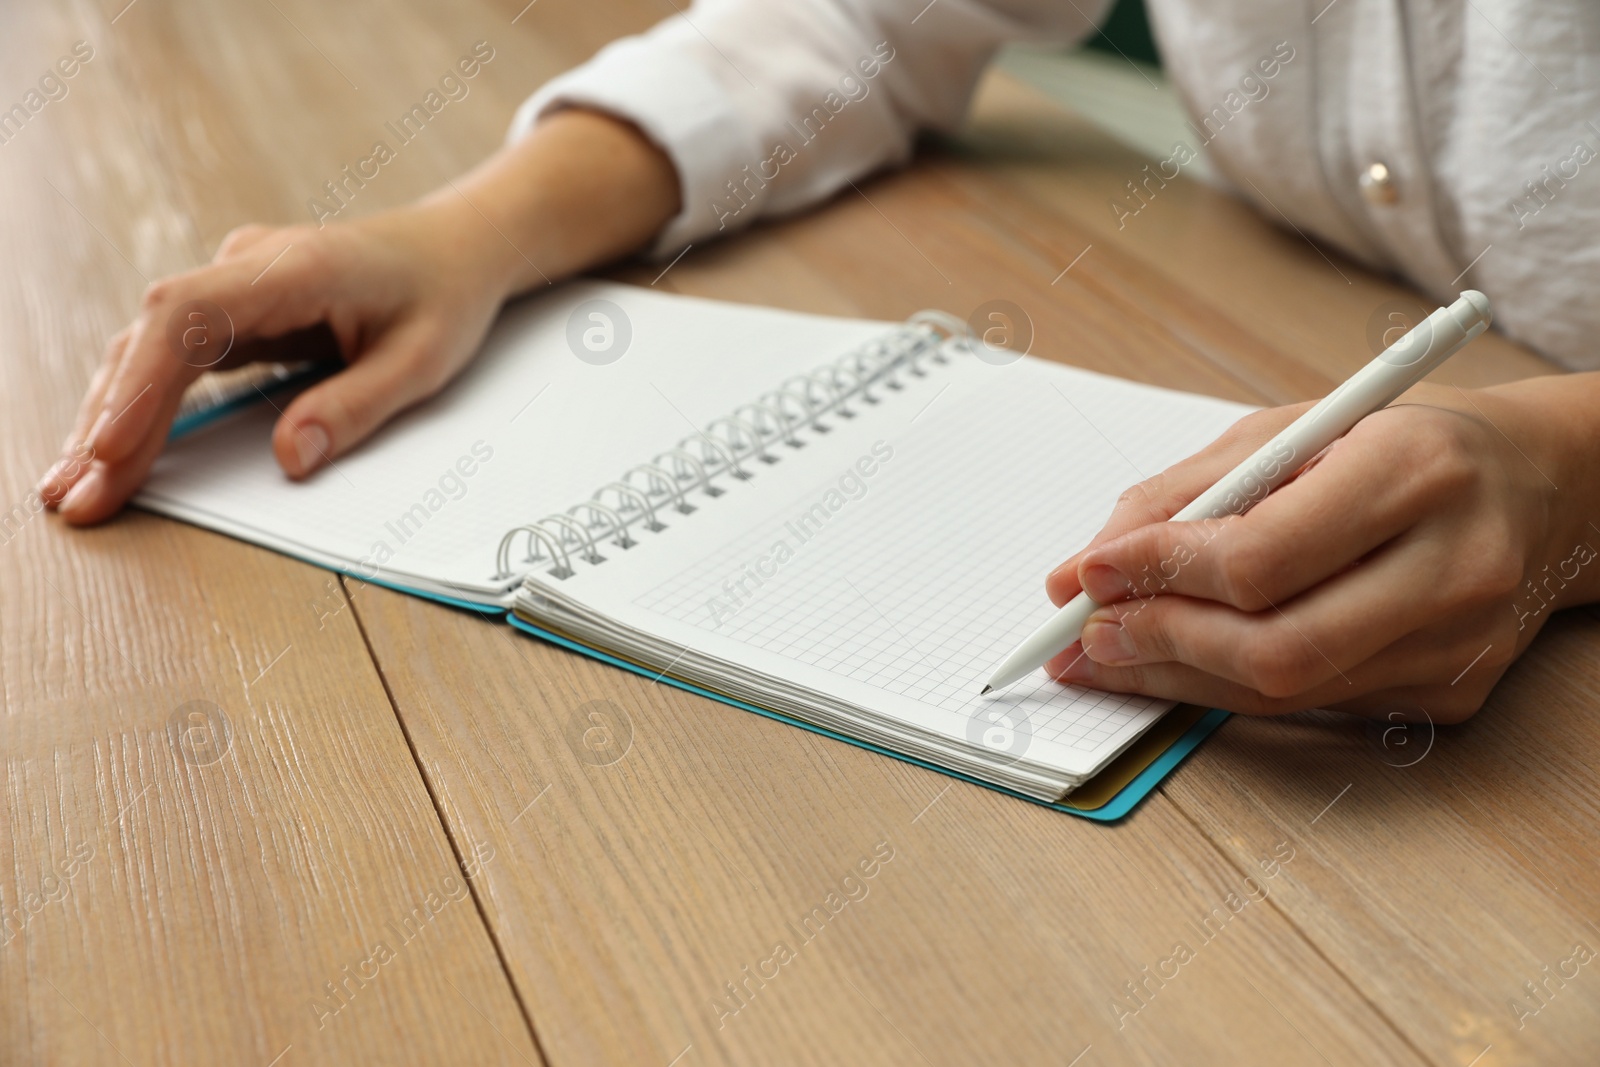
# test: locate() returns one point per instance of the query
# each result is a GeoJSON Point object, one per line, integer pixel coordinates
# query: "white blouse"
{"type": "Point", "coordinates": [1451, 141]}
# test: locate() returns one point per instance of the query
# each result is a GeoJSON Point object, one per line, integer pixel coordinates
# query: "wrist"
{"type": "Point", "coordinates": [465, 244]}
{"type": "Point", "coordinates": [1554, 422]}
{"type": "Point", "coordinates": [581, 189]}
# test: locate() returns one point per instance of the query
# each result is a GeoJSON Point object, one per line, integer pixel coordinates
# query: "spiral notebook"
{"type": "Point", "coordinates": [840, 523]}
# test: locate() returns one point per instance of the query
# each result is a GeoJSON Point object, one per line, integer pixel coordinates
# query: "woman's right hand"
{"type": "Point", "coordinates": [405, 294]}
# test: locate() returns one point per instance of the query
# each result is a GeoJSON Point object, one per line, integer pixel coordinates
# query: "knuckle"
{"type": "Point", "coordinates": [1147, 623]}
{"type": "Point", "coordinates": [1135, 499]}
{"type": "Point", "coordinates": [239, 237]}
{"type": "Point", "coordinates": [425, 370]}
{"type": "Point", "coordinates": [1498, 576]}
{"type": "Point", "coordinates": [1503, 648]}
{"type": "Point", "coordinates": [1450, 475]}
{"type": "Point", "coordinates": [1280, 664]}
{"type": "Point", "coordinates": [1432, 443]}
{"type": "Point", "coordinates": [1133, 679]}
{"type": "Point", "coordinates": [113, 350]}
{"type": "Point", "coordinates": [1241, 432]}
{"type": "Point", "coordinates": [1152, 500]}
{"type": "Point", "coordinates": [1457, 704]}
{"type": "Point", "coordinates": [1255, 570]}
{"type": "Point", "coordinates": [313, 253]}
{"type": "Point", "coordinates": [435, 376]}
{"type": "Point", "coordinates": [1489, 651]}
{"type": "Point", "coordinates": [1241, 565]}
{"type": "Point", "coordinates": [1250, 426]}
{"type": "Point", "coordinates": [1258, 426]}
{"type": "Point", "coordinates": [1489, 571]}
{"type": "Point", "coordinates": [1256, 666]}
{"type": "Point", "coordinates": [156, 293]}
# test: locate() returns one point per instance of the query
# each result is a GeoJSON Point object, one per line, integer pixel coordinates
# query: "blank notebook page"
{"type": "Point", "coordinates": [908, 595]}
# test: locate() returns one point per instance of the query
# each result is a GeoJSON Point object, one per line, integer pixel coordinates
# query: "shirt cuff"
{"type": "Point", "coordinates": [677, 104]}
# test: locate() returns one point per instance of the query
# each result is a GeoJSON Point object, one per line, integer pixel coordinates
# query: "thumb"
{"type": "Point", "coordinates": [402, 368]}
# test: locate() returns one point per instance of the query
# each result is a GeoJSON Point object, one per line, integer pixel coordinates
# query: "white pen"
{"type": "Point", "coordinates": [1373, 387]}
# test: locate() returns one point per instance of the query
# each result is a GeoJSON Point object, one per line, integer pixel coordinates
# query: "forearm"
{"type": "Point", "coordinates": [579, 190]}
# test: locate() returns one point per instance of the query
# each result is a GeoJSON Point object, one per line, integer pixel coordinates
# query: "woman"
{"type": "Point", "coordinates": [1447, 141]}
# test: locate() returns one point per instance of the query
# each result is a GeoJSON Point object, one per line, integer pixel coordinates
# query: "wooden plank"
{"type": "Point", "coordinates": [665, 854]}
{"type": "Point", "coordinates": [257, 107]}
{"type": "Point", "coordinates": [210, 811]}
{"type": "Point", "coordinates": [905, 242]}
{"type": "Point", "coordinates": [1446, 868]}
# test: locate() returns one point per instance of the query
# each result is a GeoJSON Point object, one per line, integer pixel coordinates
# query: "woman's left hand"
{"type": "Point", "coordinates": [1401, 572]}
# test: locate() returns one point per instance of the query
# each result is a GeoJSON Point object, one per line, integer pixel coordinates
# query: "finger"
{"type": "Point", "coordinates": [106, 486]}
{"type": "Point", "coordinates": [1370, 694]}
{"type": "Point", "coordinates": [93, 398]}
{"type": "Point", "coordinates": [1303, 534]}
{"type": "Point", "coordinates": [1166, 681]}
{"type": "Point", "coordinates": [146, 375]}
{"type": "Point", "coordinates": [242, 239]}
{"type": "Point", "coordinates": [1159, 498]}
{"type": "Point", "coordinates": [1364, 630]}
{"type": "Point", "coordinates": [214, 306]}
{"type": "Point", "coordinates": [335, 415]}
{"type": "Point", "coordinates": [75, 454]}
{"type": "Point", "coordinates": [1279, 651]}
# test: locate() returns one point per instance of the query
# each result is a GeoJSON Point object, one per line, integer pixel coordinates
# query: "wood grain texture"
{"type": "Point", "coordinates": [1444, 868]}
{"type": "Point", "coordinates": [257, 107]}
{"type": "Point", "coordinates": [630, 887]}
{"type": "Point", "coordinates": [660, 899]}
{"type": "Point", "coordinates": [210, 811]}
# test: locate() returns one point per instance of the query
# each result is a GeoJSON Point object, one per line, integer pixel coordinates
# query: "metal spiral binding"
{"type": "Point", "coordinates": [720, 449]}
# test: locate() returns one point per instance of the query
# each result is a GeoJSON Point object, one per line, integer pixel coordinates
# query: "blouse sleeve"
{"type": "Point", "coordinates": [766, 107]}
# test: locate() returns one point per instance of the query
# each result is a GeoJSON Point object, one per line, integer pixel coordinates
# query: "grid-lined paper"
{"type": "Point", "coordinates": [920, 585]}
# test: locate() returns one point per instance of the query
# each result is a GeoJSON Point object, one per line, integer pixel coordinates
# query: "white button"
{"type": "Point", "coordinates": [1377, 184]}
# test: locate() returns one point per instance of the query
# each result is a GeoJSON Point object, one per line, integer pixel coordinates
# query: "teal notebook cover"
{"type": "Point", "coordinates": [1120, 804]}
{"type": "Point", "coordinates": [1125, 800]}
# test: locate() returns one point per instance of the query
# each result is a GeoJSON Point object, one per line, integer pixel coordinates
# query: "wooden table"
{"type": "Point", "coordinates": [288, 890]}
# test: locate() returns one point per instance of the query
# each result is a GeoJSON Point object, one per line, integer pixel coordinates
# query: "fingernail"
{"type": "Point", "coordinates": [1106, 584]}
{"type": "Point", "coordinates": [82, 494]}
{"type": "Point", "coordinates": [311, 447]}
{"type": "Point", "coordinates": [48, 484]}
{"type": "Point", "coordinates": [1108, 642]}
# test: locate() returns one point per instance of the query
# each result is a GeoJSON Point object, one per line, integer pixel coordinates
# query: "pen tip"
{"type": "Point", "coordinates": [986, 690]}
